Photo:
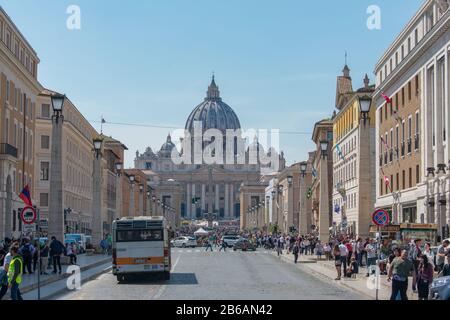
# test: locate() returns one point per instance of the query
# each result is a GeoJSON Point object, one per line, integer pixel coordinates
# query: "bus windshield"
{"type": "Point", "coordinates": [140, 235]}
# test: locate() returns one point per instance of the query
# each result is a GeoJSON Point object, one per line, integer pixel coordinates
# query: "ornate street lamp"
{"type": "Point", "coordinates": [132, 179]}
{"type": "Point", "coordinates": [97, 146]}
{"type": "Point", "coordinates": [430, 172]}
{"type": "Point", "coordinates": [57, 105]}
{"type": "Point", "coordinates": [324, 148]}
{"type": "Point", "coordinates": [303, 167]}
{"type": "Point", "coordinates": [290, 179]}
{"type": "Point", "coordinates": [119, 167]}
{"type": "Point", "coordinates": [141, 188]}
{"type": "Point", "coordinates": [441, 169]}
{"type": "Point", "coordinates": [274, 193]}
{"type": "Point", "coordinates": [364, 107]}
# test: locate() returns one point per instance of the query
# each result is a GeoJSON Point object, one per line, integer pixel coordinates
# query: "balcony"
{"type": "Point", "coordinates": [7, 149]}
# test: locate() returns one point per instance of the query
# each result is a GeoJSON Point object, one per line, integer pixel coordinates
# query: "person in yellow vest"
{"type": "Point", "coordinates": [15, 272]}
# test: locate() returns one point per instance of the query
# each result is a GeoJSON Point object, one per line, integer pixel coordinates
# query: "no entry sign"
{"type": "Point", "coordinates": [28, 215]}
{"type": "Point", "coordinates": [380, 218]}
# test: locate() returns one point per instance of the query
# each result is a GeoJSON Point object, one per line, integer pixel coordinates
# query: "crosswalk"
{"type": "Point", "coordinates": [176, 250]}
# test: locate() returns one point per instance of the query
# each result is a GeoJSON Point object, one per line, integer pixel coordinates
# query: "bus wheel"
{"type": "Point", "coordinates": [166, 275]}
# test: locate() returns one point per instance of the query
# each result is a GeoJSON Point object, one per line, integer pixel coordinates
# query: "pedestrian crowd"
{"type": "Point", "coordinates": [19, 257]}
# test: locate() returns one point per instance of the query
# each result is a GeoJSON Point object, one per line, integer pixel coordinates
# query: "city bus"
{"type": "Point", "coordinates": [141, 247]}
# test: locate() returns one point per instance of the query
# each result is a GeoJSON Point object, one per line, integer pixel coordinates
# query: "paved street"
{"type": "Point", "coordinates": [232, 275]}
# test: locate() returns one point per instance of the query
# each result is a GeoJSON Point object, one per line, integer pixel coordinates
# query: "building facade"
{"type": "Point", "coordinates": [19, 89]}
{"type": "Point", "coordinates": [353, 164]}
{"type": "Point", "coordinates": [208, 188]}
{"type": "Point", "coordinates": [412, 171]}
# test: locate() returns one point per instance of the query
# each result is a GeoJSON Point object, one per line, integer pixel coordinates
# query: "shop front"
{"type": "Point", "coordinates": [426, 232]}
{"type": "Point", "coordinates": [389, 232]}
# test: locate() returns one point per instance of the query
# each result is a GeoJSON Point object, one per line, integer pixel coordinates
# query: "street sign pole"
{"type": "Point", "coordinates": [377, 279]}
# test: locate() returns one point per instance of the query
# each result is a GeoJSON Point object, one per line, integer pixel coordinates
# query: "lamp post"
{"type": "Point", "coordinates": [324, 214]}
{"type": "Point", "coordinates": [119, 167]}
{"type": "Point", "coordinates": [132, 179]}
{"type": "Point", "coordinates": [364, 108]}
{"type": "Point", "coordinates": [97, 227]}
{"type": "Point", "coordinates": [430, 194]}
{"type": "Point", "coordinates": [56, 218]}
{"type": "Point", "coordinates": [303, 223]}
{"type": "Point", "coordinates": [442, 201]}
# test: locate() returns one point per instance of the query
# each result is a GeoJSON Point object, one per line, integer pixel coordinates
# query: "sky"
{"type": "Point", "coordinates": [150, 62]}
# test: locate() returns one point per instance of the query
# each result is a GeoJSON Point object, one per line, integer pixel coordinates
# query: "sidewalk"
{"type": "Point", "coordinates": [30, 282]}
{"type": "Point", "coordinates": [327, 270]}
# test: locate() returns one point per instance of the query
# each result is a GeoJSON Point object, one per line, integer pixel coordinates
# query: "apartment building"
{"type": "Point", "coordinates": [77, 164]}
{"type": "Point", "coordinates": [353, 162]}
{"type": "Point", "coordinates": [19, 89]}
{"type": "Point", "coordinates": [411, 125]}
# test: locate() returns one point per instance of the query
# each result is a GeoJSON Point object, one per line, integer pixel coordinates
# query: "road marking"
{"type": "Point", "coordinates": [163, 287]}
{"type": "Point", "coordinates": [189, 251]}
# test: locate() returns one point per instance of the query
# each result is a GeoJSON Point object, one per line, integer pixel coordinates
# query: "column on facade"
{"type": "Point", "coordinates": [217, 199]}
{"type": "Point", "coordinates": [324, 222]}
{"type": "Point", "coordinates": [303, 223]}
{"type": "Point", "coordinates": [193, 205]}
{"type": "Point", "coordinates": [231, 210]}
{"type": "Point", "coordinates": [188, 201]}
{"type": "Point", "coordinates": [227, 202]}
{"type": "Point", "coordinates": [203, 198]}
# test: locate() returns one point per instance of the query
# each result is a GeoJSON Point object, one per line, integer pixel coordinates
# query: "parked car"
{"type": "Point", "coordinates": [230, 240]}
{"type": "Point", "coordinates": [440, 289]}
{"type": "Point", "coordinates": [184, 242]}
{"type": "Point", "coordinates": [244, 245]}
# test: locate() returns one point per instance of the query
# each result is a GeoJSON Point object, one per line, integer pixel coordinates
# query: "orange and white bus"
{"type": "Point", "coordinates": [141, 246]}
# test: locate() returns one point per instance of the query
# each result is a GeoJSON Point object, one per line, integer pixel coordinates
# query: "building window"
{"type": "Point", "coordinates": [417, 174]}
{"type": "Point", "coordinates": [403, 179]}
{"type": "Point", "coordinates": [398, 182]}
{"type": "Point", "coordinates": [45, 111]}
{"type": "Point", "coordinates": [410, 178]}
{"type": "Point", "coordinates": [45, 142]}
{"type": "Point", "coordinates": [416, 37]}
{"type": "Point", "coordinates": [45, 166]}
{"type": "Point", "coordinates": [43, 199]}
{"type": "Point", "coordinates": [148, 165]}
{"type": "Point", "coordinates": [409, 91]}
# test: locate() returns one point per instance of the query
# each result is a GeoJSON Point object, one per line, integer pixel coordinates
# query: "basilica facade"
{"type": "Point", "coordinates": [206, 188]}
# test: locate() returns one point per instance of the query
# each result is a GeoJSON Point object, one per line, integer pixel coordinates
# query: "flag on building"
{"type": "Point", "coordinates": [386, 98]}
{"type": "Point", "coordinates": [385, 143]}
{"type": "Point", "coordinates": [314, 172]}
{"type": "Point", "coordinates": [25, 195]}
{"type": "Point", "coordinates": [339, 151]}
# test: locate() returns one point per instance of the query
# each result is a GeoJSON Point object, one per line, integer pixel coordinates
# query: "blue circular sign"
{"type": "Point", "coordinates": [380, 218]}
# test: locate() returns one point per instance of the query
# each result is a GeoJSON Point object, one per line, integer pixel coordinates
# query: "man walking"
{"type": "Point", "coordinates": [442, 251]}
{"type": "Point", "coordinates": [223, 246]}
{"type": "Point", "coordinates": [15, 272]}
{"type": "Point", "coordinates": [295, 251]}
{"type": "Point", "coordinates": [209, 245]}
{"type": "Point", "coordinates": [344, 253]}
{"type": "Point", "coordinates": [371, 253]}
{"type": "Point", "coordinates": [27, 253]}
{"type": "Point", "coordinates": [398, 273]}
{"type": "Point", "coordinates": [56, 250]}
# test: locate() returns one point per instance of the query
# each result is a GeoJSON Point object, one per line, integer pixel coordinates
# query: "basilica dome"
{"type": "Point", "coordinates": [166, 148]}
{"type": "Point", "coordinates": [213, 113]}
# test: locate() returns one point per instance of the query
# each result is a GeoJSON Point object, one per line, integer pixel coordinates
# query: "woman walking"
{"type": "Point", "coordinates": [424, 277]}
{"type": "Point", "coordinates": [337, 261]}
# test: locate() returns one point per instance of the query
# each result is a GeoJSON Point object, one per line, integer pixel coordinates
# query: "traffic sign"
{"type": "Point", "coordinates": [28, 228]}
{"type": "Point", "coordinates": [381, 218]}
{"type": "Point", "coordinates": [28, 215]}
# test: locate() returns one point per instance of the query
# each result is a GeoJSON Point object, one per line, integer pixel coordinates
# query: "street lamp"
{"type": "Point", "coordinates": [324, 148]}
{"type": "Point", "coordinates": [364, 107]}
{"type": "Point", "coordinates": [57, 105]}
{"type": "Point", "coordinates": [303, 167]}
{"type": "Point", "coordinates": [273, 194]}
{"type": "Point", "coordinates": [141, 188]}
{"type": "Point", "coordinates": [119, 167]}
{"type": "Point", "coordinates": [97, 146]}
{"type": "Point", "coordinates": [132, 178]}
{"type": "Point", "coordinates": [289, 179]}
